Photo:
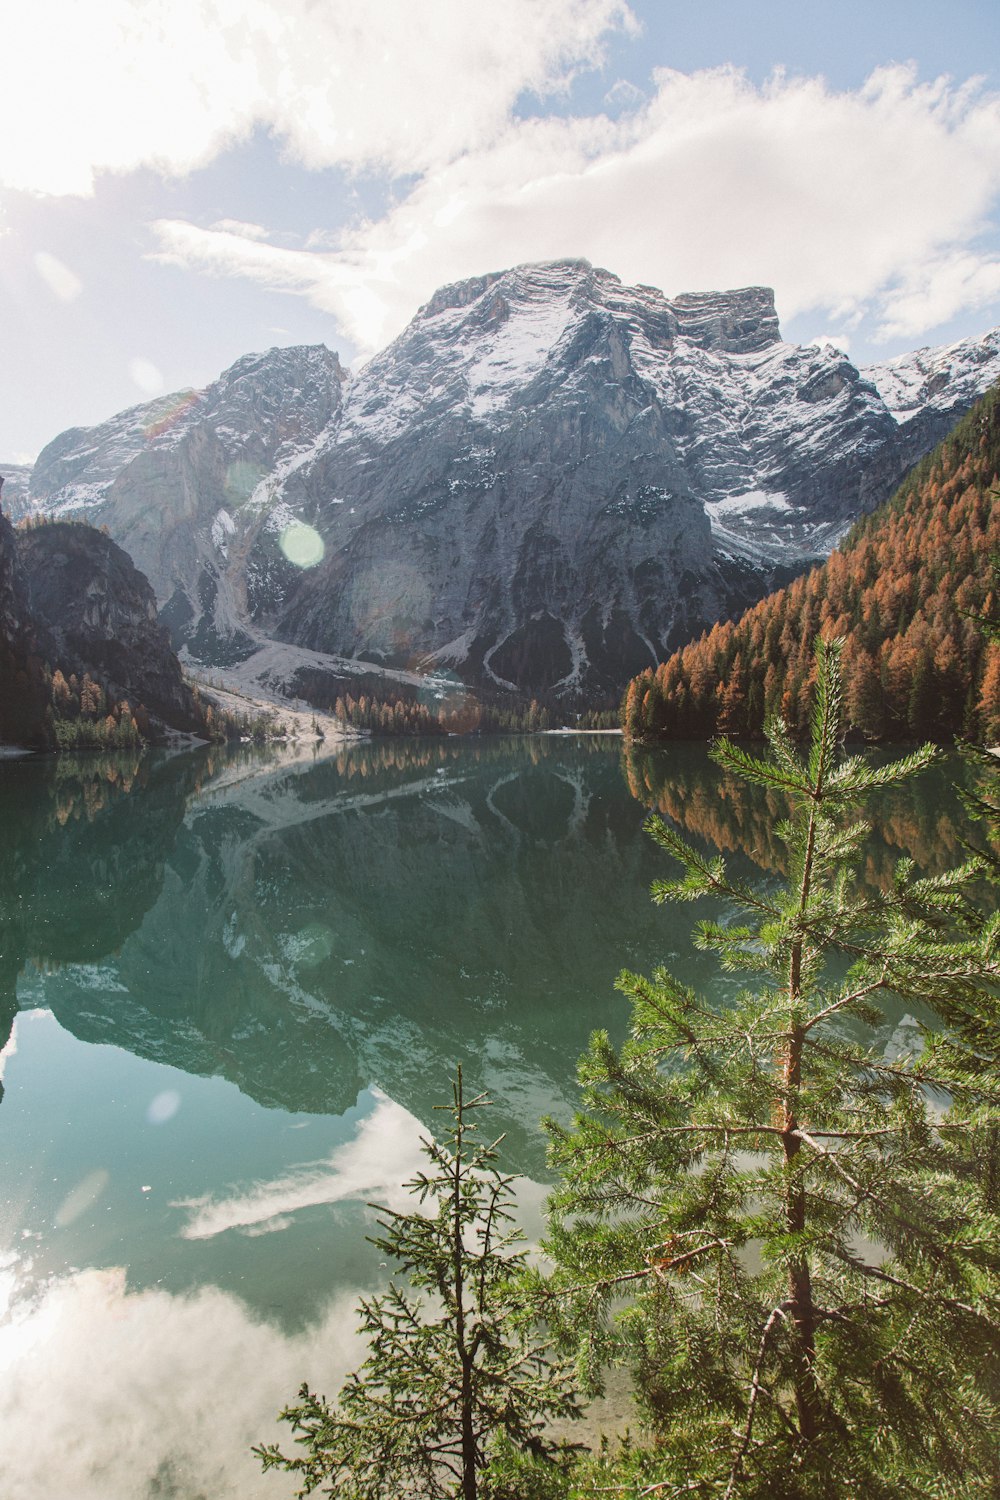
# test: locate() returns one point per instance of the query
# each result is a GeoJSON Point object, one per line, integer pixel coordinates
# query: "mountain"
{"type": "Point", "coordinates": [73, 606]}
{"type": "Point", "coordinates": [907, 590]}
{"type": "Point", "coordinates": [97, 613]}
{"type": "Point", "coordinates": [16, 484]}
{"type": "Point", "coordinates": [929, 390]}
{"type": "Point", "coordinates": [546, 482]}
{"type": "Point", "coordinates": [167, 477]}
{"type": "Point", "coordinates": [23, 692]}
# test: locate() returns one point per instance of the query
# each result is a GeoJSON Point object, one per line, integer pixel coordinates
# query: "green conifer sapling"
{"type": "Point", "coordinates": [788, 1228]}
{"type": "Point", "coordinates": [451, 1376]}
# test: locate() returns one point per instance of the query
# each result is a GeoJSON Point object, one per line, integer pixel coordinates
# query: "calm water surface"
{"type": "Point", "coordinates": [236, 987]}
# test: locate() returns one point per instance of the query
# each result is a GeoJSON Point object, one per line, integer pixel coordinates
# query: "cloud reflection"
{"type": "Point", "coordinates": [114, 1395]}
{"type": "Point", "coordinates": [384, 1154]}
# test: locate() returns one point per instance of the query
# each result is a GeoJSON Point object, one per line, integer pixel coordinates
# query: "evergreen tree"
{"type": "Point", "coordinates": [806, 1222]}
{"type": "Point", "coordinates": [452, 1383]}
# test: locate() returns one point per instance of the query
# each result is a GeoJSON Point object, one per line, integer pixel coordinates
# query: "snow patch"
{"type": "Point", "coordinates": [234, 942]}
{"type": "Point", "coordinates": [223, 527]}
{"type": "Point", "coordinates": [515, 354]}
{"type": "Point", "coordinates": [937, 378]}
{"type": "Point", "coordinates": [740, 505]}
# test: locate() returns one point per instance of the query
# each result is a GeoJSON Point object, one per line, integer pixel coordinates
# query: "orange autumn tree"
{"type": "Point", "coordinates": [905, 590]}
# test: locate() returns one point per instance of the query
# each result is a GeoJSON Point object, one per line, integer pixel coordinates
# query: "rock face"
{"type": "Point", "coordinates": [929, 390]}
{"type": "Point", "coordinates": [22, 692]}
{"type": "Point", "coordinates": [14, 612]}
{"type": "Point", "coordinates": [166, 478]}
{"type": "Point", "coordinates": [71, 598]}
{"type": "Point", "coordinates": [95, 612]}
{"type": "Point", "coordinates": [15, 481]}
{"type": "Point", "coordinates": [546, 482]}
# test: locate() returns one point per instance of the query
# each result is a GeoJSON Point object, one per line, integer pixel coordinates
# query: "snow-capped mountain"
{"type": "Point", "coordinates": [937, 385]}
{"type": "Point", "coordinates": [166, 477]}
{"type": "Point", "coordinates": [547, 480]}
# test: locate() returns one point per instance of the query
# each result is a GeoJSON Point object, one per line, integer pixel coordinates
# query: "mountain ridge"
{"type": "Point", "coordinates": [547, 481]}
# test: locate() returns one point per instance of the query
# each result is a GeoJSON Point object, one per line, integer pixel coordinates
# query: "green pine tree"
{"type": "Point", "coordinates": [803, 1225]}
{"type": "Point", "coordinates": [456, 1389]}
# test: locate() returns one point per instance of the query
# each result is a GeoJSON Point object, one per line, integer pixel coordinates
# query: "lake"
{"type": "Point", "coordinates": [237, 983]}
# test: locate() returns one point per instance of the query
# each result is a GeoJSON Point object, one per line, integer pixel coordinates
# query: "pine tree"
{"type": "Point", "coordinates": [449, 1383]}
{"type": "Point", "coordinates": [806, 1221]}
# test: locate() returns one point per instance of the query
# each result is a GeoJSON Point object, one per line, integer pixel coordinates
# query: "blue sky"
{"type": "Point", "coordinates": [183, 181]}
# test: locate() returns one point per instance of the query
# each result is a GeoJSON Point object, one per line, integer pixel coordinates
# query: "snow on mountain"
{"type": "Point", "coordinates": [946, 380]}
{"type": "Point", "coordinates": [167, 478]}
{"type": "Point", "coordinates": [15, 480]}
{"type": "Point", "coordinates": [548, 480]}
{"type": "Point", "coordinates": [545, 477]}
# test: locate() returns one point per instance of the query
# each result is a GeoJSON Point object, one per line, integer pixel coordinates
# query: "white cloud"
{"type": "Point", "coordinates": [242, 228]}
{"type": "Point", "coordinates": [932, 293]}
{"type": "Point", "coordinates": [370, 1167]}
{"type": "Point", "coordinates": [834, 340]}
{"type": "Point", "coordinates": [169, 83]}
{"type": "Point", "coordinates": [842, 201]}
{"type": "Point", "coordinates": [60, 280]}
{"type": "Point", "coordinates": [9, 1048]}
{"type": "Point", "coordinates": [624, 95]}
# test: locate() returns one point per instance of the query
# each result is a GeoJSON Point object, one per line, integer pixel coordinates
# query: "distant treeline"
{"type": "Point", "coordinates": [907, 590]}
{"type": "Point", "coordinates": [381, 716]}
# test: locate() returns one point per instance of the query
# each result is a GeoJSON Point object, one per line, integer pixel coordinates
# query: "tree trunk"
{"type": "Point", "coordinates": [799, 1280]}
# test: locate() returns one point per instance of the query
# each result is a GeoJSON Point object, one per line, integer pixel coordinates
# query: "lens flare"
{"type": "Point", "coordinates": [146, 376]}
{"type": "Point", "coordinates": [242, 478]}
{"type": "Point", "coordinates": [302, 545]}
{"type": "Point", "coordinates": [83, 1196]}
{"type": "Point", "coordinates": [60, 280]}
{"type": "Point", "coordinates": [163, 1107]}
{"type": "Point", "coordinates": [312, 945]}
{"type": "Point", "coordinates": [171, 411]}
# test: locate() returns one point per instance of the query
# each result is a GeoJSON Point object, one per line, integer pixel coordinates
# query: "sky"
{"type": "Point", "coordinates": [186, 181]}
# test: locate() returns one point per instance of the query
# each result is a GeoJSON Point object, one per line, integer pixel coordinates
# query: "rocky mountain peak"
{"type": "Point", "coordinates": [15, 480]}
{"type": "Point", "coordinates": [741, 321]}
{"type": "Point", "coordinates": [738, 322]}
{"type": "Point", "coordinates": [281, 380]}
{"type": "Point", "coordinates": [276, 398]}
{"type": "Point", "coordinates": [547, 480]}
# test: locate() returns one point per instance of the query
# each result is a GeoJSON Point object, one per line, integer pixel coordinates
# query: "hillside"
{"type": "Point", "coordinates": [905, 589]}
{"type": "Point", "coordinates": [83, 659]}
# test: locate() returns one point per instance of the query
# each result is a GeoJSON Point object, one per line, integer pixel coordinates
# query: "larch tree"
{"type": "Point", "coordinates": [786, 1227]}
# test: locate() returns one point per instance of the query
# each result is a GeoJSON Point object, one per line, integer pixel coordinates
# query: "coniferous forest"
{"type": "Point", "coordinates": [907, 590]}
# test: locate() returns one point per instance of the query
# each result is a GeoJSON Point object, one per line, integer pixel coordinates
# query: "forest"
{"type": "Point", "coordinates": [907, 591]}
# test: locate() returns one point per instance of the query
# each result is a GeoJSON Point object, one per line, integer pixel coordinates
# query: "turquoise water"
{"type": "Point", "coordinates": [237, 987]}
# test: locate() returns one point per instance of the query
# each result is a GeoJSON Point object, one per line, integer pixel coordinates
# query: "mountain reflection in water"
{"type": "Point", "coordinates": [246, 979]}
{"type": "Point", "coordinates": [307, 930]}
